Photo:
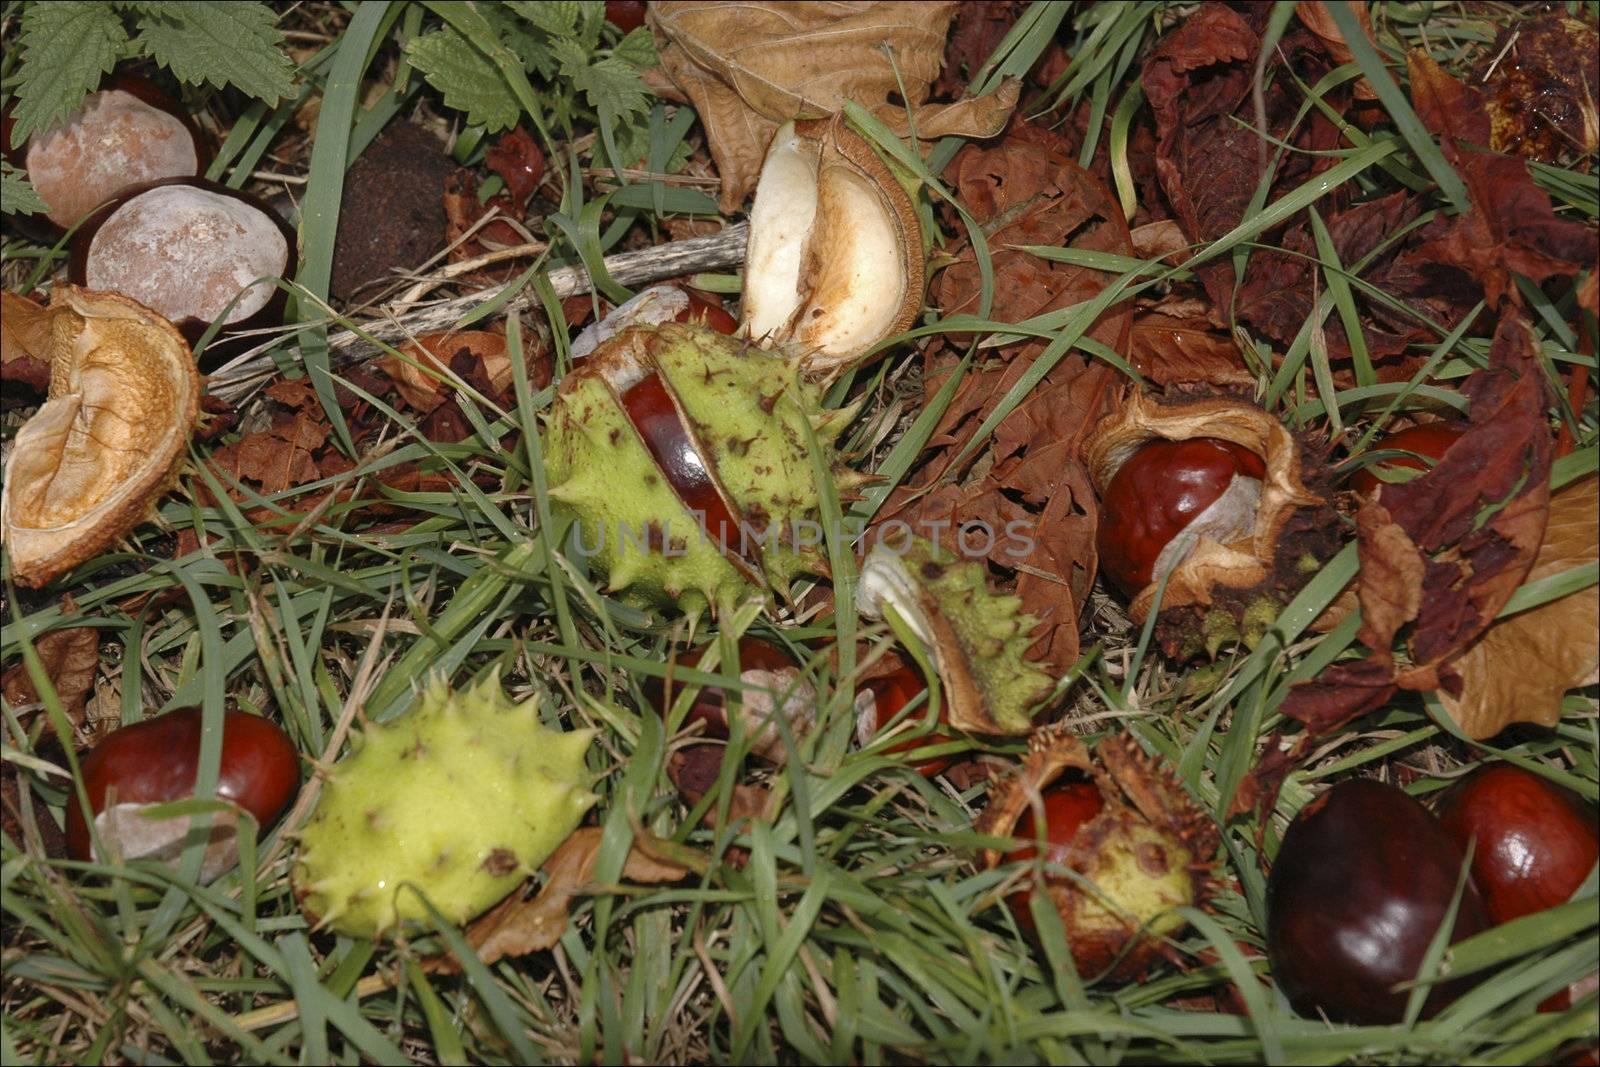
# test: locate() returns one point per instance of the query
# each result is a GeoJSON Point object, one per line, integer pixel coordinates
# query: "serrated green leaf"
{"type": "Point", "coordinates": [235, 44]}
{"type": "Point", "coordinates": [611, 86]}
{"type": "Point", "coordinates": [638, 49]}
{"type": "Point", "coordinates": [466, 77]}
{"type": "Point", "coordinates": [66, 47]}
{"type": "Point", "coordinates": [17, 197]}
{"type": "Point", "coordinates": [526, 41]}
{"type": "Point", "coordinates": [558, 18]}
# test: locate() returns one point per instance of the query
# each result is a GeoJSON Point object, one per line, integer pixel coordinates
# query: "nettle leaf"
{"type": "Point", "coordinates": [66, 47]}
{"type": "Point", "coordinates": [235, 44]}
{"type": "Point", "coordinates": [528, 42]}
{"type": "Point", "coordinates": [612, 87]}
{"type": "Point", "coordinates": [17, 195]}
{"type": "Point", "coordinates": [558, 18]}
{"type": "Point", "coordinates": [637, 49]}
{"type": "Point", "coordinates": [466, 77]}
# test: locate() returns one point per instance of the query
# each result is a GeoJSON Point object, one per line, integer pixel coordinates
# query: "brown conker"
{"type": "Point", "coordinates": [1167, 494]}
{"type": "Point", "coordinates": [1535, 841]}
{"type": "Point", "coordinates": [1359, 889]}
{"type": "Point", "coordinates": [128, 132]}
{"type": "Point", "coordinates": [884, 697]}
{"type": "Point", "coordinates": [1067, 806]}
{"type": "Point", "coordinates": [157, 761]}
{"type": "Point", "coordinates": [185, 248]}
{"type": "Point", "coordinates": [1430, 440]}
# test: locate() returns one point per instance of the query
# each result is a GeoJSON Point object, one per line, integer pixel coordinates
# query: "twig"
{"type": "Point", "coordinates": [240, 378]}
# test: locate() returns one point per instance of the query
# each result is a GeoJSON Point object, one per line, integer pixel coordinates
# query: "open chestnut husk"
{"type": "Point", "coordinates": [1534, 842]}
{"type": "Point", "coordinates": [156, 762]}
{"type": "Point", "coordinates": [1261, 537]}
{"type": "Point", "coordinates": [128, 132]}
{"type": "Point", "coordinates": [1146, 850]}
{"type": "Point", "coordinates": [187, 248]}
{"type": "Point", "coordinates": [90, 464]}
{"type": "Point", "coordinates": [1359, 888]}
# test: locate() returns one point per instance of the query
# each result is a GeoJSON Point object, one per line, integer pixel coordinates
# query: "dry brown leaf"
{"type": "Point", "coordinates": [749, 67]}
{"type": "Point", "coordinates": [1521, 667]}
{"type": "Point", "coordinates": [70, 657]}
{"type": "Point", "coordinates": [518, 925]}
{"type": "Point", "coordinates": [1316, 18]}
{"type": "Point", "coordinates": [424, 391]}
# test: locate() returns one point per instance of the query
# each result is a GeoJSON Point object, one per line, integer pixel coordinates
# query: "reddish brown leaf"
{"type": "Point", "coordinates": [1169, 350]}
{"type": "Point", "coordinates": [1446, 106]}
{"type": "Point", "coordinates": [70, 658]}
{"type": "Point", "coordinates": [519, 162]}
{"type": "Point", "coordinates": [1319, 21]}
{"type": "Point", "coordinates": [1392, 571]}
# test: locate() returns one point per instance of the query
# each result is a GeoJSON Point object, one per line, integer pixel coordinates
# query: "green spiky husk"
{"type": "Point", "coordinates": [750, 410]}
{"type": "Point", "coordinates": [461, 799]}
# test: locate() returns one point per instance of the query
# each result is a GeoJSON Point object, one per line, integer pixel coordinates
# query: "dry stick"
{"type": "Point", "coordinates": [242, 377]}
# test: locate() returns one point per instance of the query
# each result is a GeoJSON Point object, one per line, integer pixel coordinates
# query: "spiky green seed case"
{"type": "Point", "coordinates": [462, 798]}
{"type": "Point", "coordinates": [749, 409]}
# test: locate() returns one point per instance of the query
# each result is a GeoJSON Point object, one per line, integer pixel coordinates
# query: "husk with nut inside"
{"type": "Point", "coordinates": [88, 467]}
{"type": "Point", "coordinates": [1295, 527]}
{"type": "Point", "coordinates": [1148, 851]}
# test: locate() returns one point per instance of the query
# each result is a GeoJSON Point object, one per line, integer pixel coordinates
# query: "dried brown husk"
{"type": "Point", "coordinates": [1148, 829]}
{"type": "Point", "coordinates": [86, 469]}
{"type": "Point", "coordinates": [1212, 567]}
{"type": "Point", "coordinates": [861, 268]}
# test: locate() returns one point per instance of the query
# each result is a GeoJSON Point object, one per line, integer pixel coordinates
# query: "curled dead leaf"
{"type": "Point", "coordinates": [425, 391]}
{"type": "Point", "coordinates": [749, 67]}
{"type": "Point", "coordinates": [1318, 20]}
{"type": "Point", "coordinates": [1522, 666]}
{"type": "Point", "coordinates": [520, 925]}
{"type": "Point", "coordinates": [71, 657]}
{"type": "Point", "coordinates": [123, 403]}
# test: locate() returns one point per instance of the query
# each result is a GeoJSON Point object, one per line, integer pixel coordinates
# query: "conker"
{"type": "Point", "coordinates": [1067, 806]}
{"type": "Point", "coordinates": [1358, 891]}
{"type": "Point", "coordinates": [625, 15]}
{"type": "Point", "coordinates": [709, 315]}
{"type": "Point", "coordinates": [771, 675]}
{"type": "Point", "coordinates": [128, 132]}
{"type": "Point", "coordinates": [884, 697]}
{"type": "Point", "coordinates": [1430, 440]}
{"type": "Point", "coordinates": [157, 761]}
{"type": "Point", "coordinates": [185, 248]}
{"type": "Point", "coordinates": [1167, 494]}
{"type": "Point", "coordinates": [1535, 841]}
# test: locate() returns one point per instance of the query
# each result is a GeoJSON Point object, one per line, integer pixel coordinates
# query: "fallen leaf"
{"type": "Point", "coordinates": [1447, 106]}
{"type": "Point", "coordinates": [70, 657]}
{"type": "Point", "coordinates": [1392, 573]}
{"type": "Point", "coordinates": [519, 162]}
{"type": "Point", "coordinates": [424, 391]}
{"type": "Point", "coordinates": [1319, 21]}
{"type": "Point", "coordinates": [1168, 350]}
{"type": "Point", "coordinates": [520, 925]}
{"type": "Point", "coordinates": [749, 67]}
{"type": "Point", "coordinates": [1522, 666]}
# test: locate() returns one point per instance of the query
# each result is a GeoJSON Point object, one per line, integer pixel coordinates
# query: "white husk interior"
{"type": "Point", "coordinates": [780, 222]}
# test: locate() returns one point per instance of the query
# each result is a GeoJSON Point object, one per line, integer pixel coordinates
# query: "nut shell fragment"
{"type": "Point", "coordinates": [1240, 564]}
{"type": "Point", "coordinates": [123, 401]}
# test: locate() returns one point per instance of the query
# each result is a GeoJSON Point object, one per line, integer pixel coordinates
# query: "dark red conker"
{"type": "Point", "coordinates": [709, 315]}
{"type": "Point", "coordinates": [625, 15]}
{"type": "Point", "coordinates": [157, 761]}
{"type": "Point", "coordinates": [1430, 439]}
{"type": "Point", "coordinates": [1159, 492]}
{"type": "Point", "coordinates": [1535, 841]}
{"type": "Point", "coordinates": [1067, 806]}
{"type": "Point", "coordinates": [1359, 889]}
{"type": "Point", "coordinates": [890, 694]}
{"type": "Point", "coordinates": [710, 703]}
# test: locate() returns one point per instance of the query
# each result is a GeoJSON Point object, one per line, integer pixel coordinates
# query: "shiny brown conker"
{"type": "Point", "coordinates": [889, 695]}
{"type": "Point", "coordinates": [709, 315]}
{"type": "Point", "coordinates": [625, 15]}
{"type": "Point", "coordinates": [185, 248]}
{"type": "Point", "coordinates": [761, 662]}
{"type": "Point", "coordinates": [1359, 889]}
{"type": "Point", "coordinates": [129, 131]}
{"type": "Point", "coordinates": [1535, 841]}
{"type": "Point", "coordinates": [1067, 806]}
{"type": "Point", "coordinates": [1430, 440]}
{"type": "Point", "coordinates": [157, 761]}
{"type": "Point", "coordinates": [1160, 492]}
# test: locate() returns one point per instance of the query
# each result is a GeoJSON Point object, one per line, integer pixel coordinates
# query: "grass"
{"type": "Point", "coordinates": [859, 928]}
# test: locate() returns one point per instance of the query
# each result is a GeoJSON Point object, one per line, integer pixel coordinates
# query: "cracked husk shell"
{"type": "Point", "coordinates": [1211, 566]}
{"type": "Point", "coordinates": [835, 262]}
{"type": "Point", "coordinates": [88, 467]}
{"type": "Point", "coordinates": [1148, 851]}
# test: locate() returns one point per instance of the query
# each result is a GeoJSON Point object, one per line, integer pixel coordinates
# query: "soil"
{"type": "Point", "coordinates": [392, 215]}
